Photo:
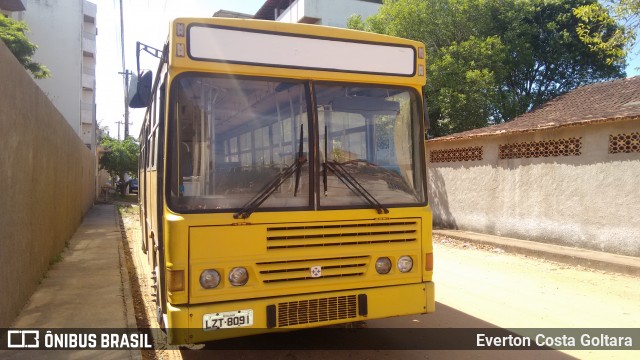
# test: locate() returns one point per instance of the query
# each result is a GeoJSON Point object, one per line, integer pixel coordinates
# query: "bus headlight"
{"type": "Point", "coordinates": [383, 265]}
{"type": "Point", "coordinates": [209, 279]}
{"type": "Point", "coordinates": [238, 276]}
{"type": "Point", "coordinates": [405, 264]}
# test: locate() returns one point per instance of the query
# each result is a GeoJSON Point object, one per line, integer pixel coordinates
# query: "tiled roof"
{"type": "Point", "coordinates": [600, 102]}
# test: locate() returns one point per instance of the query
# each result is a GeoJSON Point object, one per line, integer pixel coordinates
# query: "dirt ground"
{"type": "Point", "coordinates": [475, 283]}
{"type": "Point", "coordinates": [140, 280]}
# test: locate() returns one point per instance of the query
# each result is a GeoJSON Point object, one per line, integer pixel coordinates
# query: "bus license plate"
{"type": "Point", "coordinates": [226, 320]}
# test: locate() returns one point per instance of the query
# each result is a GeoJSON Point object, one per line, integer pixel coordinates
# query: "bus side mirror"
{"type": "Point", "coordinates": [140, 89]}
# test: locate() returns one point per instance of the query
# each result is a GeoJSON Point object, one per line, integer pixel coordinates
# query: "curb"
{"type": "Point", "coordinates": [627, 265]}
{"type": "Point", "coordinates": [126, 288]}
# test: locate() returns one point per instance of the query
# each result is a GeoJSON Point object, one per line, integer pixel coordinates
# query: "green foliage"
{"type": "Point", "coordinates": [462, 84]}
{"type": "Point", "coordinates": [120, 157]}
{"type": "Point", "coordinates": [489, 61]}
{"type": "Point", "coordinates": [548, 58]}
{"type": "Point", "coordinates": [598, 27]}
{"type": "Point", "coordinates": [12, 33]}
{"type": "Point", "coordinates": [355, 22]}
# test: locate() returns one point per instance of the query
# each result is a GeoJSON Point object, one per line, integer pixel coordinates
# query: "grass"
{"type": "Point", "coordinates": [131, 198]}
{"type": "Point", "coordinates": [56, 259]}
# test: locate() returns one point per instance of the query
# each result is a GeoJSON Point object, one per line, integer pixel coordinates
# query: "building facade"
{"type": "Point", "coordinates": [320, 12]}
{"type": "Point", "coordinates": [65, 33]}
{"type": "Point", "coordinates": [566, 173]}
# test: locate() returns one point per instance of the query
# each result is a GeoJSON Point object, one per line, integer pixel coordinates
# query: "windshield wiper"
{"type": "Point", "coordinates": [268, 189]}
{"type": "Point", "coordinates": [354, 185]}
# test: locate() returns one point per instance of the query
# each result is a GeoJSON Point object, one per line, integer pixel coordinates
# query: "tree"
{"type": "Point", "coordinates": [597, 26]}
{"type": "Point", "coordinates": [12, 33]}
{"type": "Point", "coordinates": [120, 157]}
{"type": "Point", "coordinates": [549, 57]}
{"type": "Point", "coordinates": [489, 61]}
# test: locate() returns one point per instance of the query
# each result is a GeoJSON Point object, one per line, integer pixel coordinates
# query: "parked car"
{"type": "Point", "coordinates": [133, 186]}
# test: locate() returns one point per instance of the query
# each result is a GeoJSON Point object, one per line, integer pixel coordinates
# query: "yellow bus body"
{"type": "Point", "coordinates": [277, 245]}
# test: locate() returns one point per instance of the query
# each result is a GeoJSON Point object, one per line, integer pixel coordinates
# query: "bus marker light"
{"type": "Point", "coordinates": [180, 50]}
{"type": "Point", "coordinates": [428, 263]}
{"type": "Point", "coordinates": [238, 276]}
{"type": "Point", "coordinates": [209, 279]}
{"type": "Point", "coordinates": [176, 280]}
{"type": "Point", "coordinates": [180, 29]}
{"type": "Point", "coordinates": [421, 53]}
{"type": "Point", "coordinates": [420, 70]}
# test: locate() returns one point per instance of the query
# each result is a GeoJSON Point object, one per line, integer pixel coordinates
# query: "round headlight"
{"type": "Point", "coordinates": [209, 279]}
{"type": "Point", "coordinates": [238, 276]}
{"type": "Point", "coordinates": [405, 264]}
{"type": "Point", "coordinates": [383, 265]}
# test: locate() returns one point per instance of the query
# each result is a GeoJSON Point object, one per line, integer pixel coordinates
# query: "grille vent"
{"type": "Point", "coordinates": [292, 270]}
{"type": "Point", "coordinates": [317, 310]}
{"type": "Point", "coordinates": [341, 235]}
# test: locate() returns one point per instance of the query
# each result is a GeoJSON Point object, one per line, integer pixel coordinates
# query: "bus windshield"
{"type": "Point", "coordinates": [237, 139]}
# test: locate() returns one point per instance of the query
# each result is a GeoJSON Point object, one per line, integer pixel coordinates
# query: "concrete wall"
{"type": "Point", "coordinates": [589, 201]}
{"type": "Point", "coordinates": [330, 12]}
{"type": "Point", "coordinates": [48, 184]}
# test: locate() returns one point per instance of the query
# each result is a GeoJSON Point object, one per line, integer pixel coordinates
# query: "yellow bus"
{"type": "Point", "coordinates": [282, 178]}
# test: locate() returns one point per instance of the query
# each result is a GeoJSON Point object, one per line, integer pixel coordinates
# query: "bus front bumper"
{"type": "Point", "coordinates": [186, 322]}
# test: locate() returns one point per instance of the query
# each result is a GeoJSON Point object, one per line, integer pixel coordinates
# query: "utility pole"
{"type": "Point", "coordinates": [118, 122]}
{"type": "Point", "coordinates": [126, 75]}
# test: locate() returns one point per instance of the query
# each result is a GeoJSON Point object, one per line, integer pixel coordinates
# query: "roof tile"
{"type": "Point", "coordinates": [600, 102]}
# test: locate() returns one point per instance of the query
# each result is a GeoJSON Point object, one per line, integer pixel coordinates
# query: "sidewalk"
{"type": "Point", "coordinates": [587, 258]}
{"type": "Point", "coordinates": [88, 288]}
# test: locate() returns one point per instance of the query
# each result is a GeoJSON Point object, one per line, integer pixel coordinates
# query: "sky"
{"type": "Point", "coordinates": [147, 21]}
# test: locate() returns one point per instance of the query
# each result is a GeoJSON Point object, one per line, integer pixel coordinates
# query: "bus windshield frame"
{"type": "Point", "coordinates": [264, 126]}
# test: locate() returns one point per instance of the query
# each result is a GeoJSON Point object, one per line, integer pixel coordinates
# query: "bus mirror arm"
{"type": "Point", "coordinates": [149, 49]}
{"type": "Point", "coordinates": [139, 95]}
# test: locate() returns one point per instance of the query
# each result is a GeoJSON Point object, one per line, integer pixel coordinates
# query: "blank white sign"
{"type": "Point", "coordinates": [287, 50]}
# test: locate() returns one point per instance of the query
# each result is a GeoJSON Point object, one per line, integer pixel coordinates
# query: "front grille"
{"type": "Point", "coordinates": [345, 234]}
{"type": "Point", "coordinates": [317, 310]}
{"type": "Point", "coordinates": [296, 270]}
